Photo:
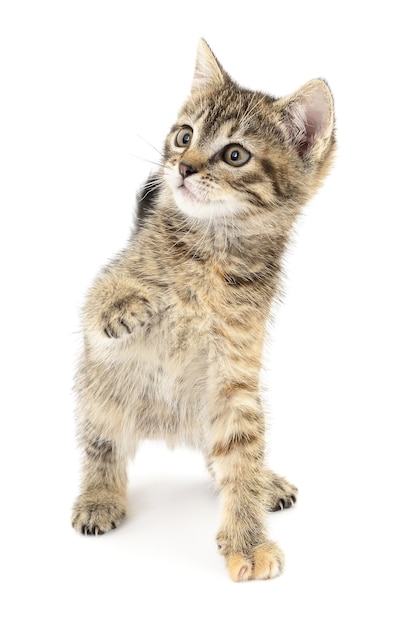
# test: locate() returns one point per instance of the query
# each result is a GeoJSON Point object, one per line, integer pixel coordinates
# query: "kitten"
{"type": "Point", "coordinates": [174, 326]}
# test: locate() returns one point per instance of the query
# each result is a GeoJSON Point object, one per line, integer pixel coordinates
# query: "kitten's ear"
{"type": "Point", "coordinates": [208, 71]}
{"type": "Point", "coordinates": [309, 117]}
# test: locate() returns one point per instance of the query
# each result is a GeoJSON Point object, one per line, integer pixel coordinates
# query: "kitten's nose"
{"type": "Point", "coordinates": [186, 170]}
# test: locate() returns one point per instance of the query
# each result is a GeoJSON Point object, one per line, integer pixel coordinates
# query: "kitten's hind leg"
{"type": "Point", "coordinates": [102, 503]}
{"type": "Point", "coordinates": [282, 494]}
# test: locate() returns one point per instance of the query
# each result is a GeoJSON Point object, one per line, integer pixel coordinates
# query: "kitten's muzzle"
{"type": "Point", "coordinates": [186, 170]}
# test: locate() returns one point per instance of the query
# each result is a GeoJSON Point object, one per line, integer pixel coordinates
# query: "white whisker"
{"type": "Point", "coordinates": [136, 156]}
{"type": "Point", "coordinates": [150, 189]}
{"type": "Point", "coordinates": [149, 144]}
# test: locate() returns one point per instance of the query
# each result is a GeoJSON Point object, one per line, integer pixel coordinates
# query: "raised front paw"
{"type": "Point", "coordinates": [125, 315]}
{"type": "Point", "coordinates": [266, 561]}
{"type": "Point", "coordinates": [95, 513]}
{"type": "Point", "coordinates": [282, 494]}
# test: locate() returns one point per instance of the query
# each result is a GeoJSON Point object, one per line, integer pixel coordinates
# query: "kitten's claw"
{"type": "Point", "coordinates": [86, 530]}
{"type": "Point", "coordinates": [283, 495]}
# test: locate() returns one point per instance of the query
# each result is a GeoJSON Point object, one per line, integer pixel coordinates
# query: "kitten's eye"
{"type": "Point", "coordinates": [236, 155]}
{"type": "Point", "coordinates": [184, 136]}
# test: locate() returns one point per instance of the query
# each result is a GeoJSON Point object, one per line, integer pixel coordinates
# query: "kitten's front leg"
{"type": "Point", "coordinates": [102, 503]}
{"type": "Point", "coordinates": [236, 457]}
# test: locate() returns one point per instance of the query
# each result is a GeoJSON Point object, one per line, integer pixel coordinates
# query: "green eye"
{"type": "Point", "coordinates": [235, 155]}
{"type": "Point", "coordinates": [183, 137]}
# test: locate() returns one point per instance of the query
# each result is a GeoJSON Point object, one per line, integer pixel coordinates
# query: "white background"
{"type": "Point", "coordinates": [79, 82]}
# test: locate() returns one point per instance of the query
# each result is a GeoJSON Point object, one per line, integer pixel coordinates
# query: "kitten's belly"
{"type": "Point", "coordinates": [172, 402]}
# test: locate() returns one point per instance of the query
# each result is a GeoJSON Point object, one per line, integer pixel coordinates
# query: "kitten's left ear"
{"type": "Point", "coordinates": [309, 117]}
{"type": "Point", "coordinates": [208, 71]}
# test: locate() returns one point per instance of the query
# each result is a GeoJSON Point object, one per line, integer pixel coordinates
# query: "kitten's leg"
{"type": "Point", "coordinates": [236, 455]}
{"type": "Point", "coordinates": [102, 502]}
{"type": "Point", "coordinates": [118, 307]}
{"type": "Point", "coordinates": [282, 494]}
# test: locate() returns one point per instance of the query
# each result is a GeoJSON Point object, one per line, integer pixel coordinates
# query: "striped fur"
{"type": "Point", "coordinates": [174, 327]}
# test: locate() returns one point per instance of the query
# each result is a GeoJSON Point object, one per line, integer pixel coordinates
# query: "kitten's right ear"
{"type": "Point", "coordinates": [208, 71]}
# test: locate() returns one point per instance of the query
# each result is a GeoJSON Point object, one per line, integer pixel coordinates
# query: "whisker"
{"type": "Point", "coordinates": [164, 166]}
{"type": "Point", "coordinates": [152, 182]}
{"type": "Point", "coordinates": [150, 189]}
{"type": "Point", "coordinates": [136, 156]}
{"type": "Point", "coordinates": [150, 144]}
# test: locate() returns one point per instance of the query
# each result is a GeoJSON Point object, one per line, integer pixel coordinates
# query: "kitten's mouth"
{"type": "Point", "coordinates": [190, 198]}
{"type": "Point", "coordinates": [187, 193]}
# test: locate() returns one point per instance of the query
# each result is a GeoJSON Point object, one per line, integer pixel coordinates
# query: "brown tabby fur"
{"type": "Point", "coordinates": [174, 327]}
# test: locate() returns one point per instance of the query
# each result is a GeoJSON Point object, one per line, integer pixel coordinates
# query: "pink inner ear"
{"type": "Point", "coordinates": [309, 117]}
{"type": "Point", "coordinates": [317, 115]}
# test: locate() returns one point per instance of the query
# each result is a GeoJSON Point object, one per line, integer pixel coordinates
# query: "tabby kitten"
{"type": "Point", "coordinates": [174, 326]}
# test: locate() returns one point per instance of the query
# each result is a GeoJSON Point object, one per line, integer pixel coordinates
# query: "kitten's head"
{"type": "Point", "coordinates": [238, 152]}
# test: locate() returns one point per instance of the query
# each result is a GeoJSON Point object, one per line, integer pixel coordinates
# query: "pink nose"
{"type": "Point", "coordinates": [186, 170]}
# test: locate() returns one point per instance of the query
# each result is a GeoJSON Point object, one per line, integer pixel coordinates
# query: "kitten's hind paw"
{"type": "Point", "coordinates": [97, 513]}
{"type": "Point", "coordinates": [283, 494]}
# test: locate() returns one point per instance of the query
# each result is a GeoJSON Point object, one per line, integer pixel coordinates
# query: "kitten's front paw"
{"type": "Point", "coordinates": [283, 494]}
{"type": "Point", "coordinates": [95, 513]}
{"type": "Point", "coordinates": [125, 315]}
{"type": "Point", "coordinates": [266, 562]}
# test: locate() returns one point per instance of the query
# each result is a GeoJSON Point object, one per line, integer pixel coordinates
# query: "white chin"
{"type": "Point", "coordinates": [192, 207]}
{"type": "Point", "coordinates": [196, 210]}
